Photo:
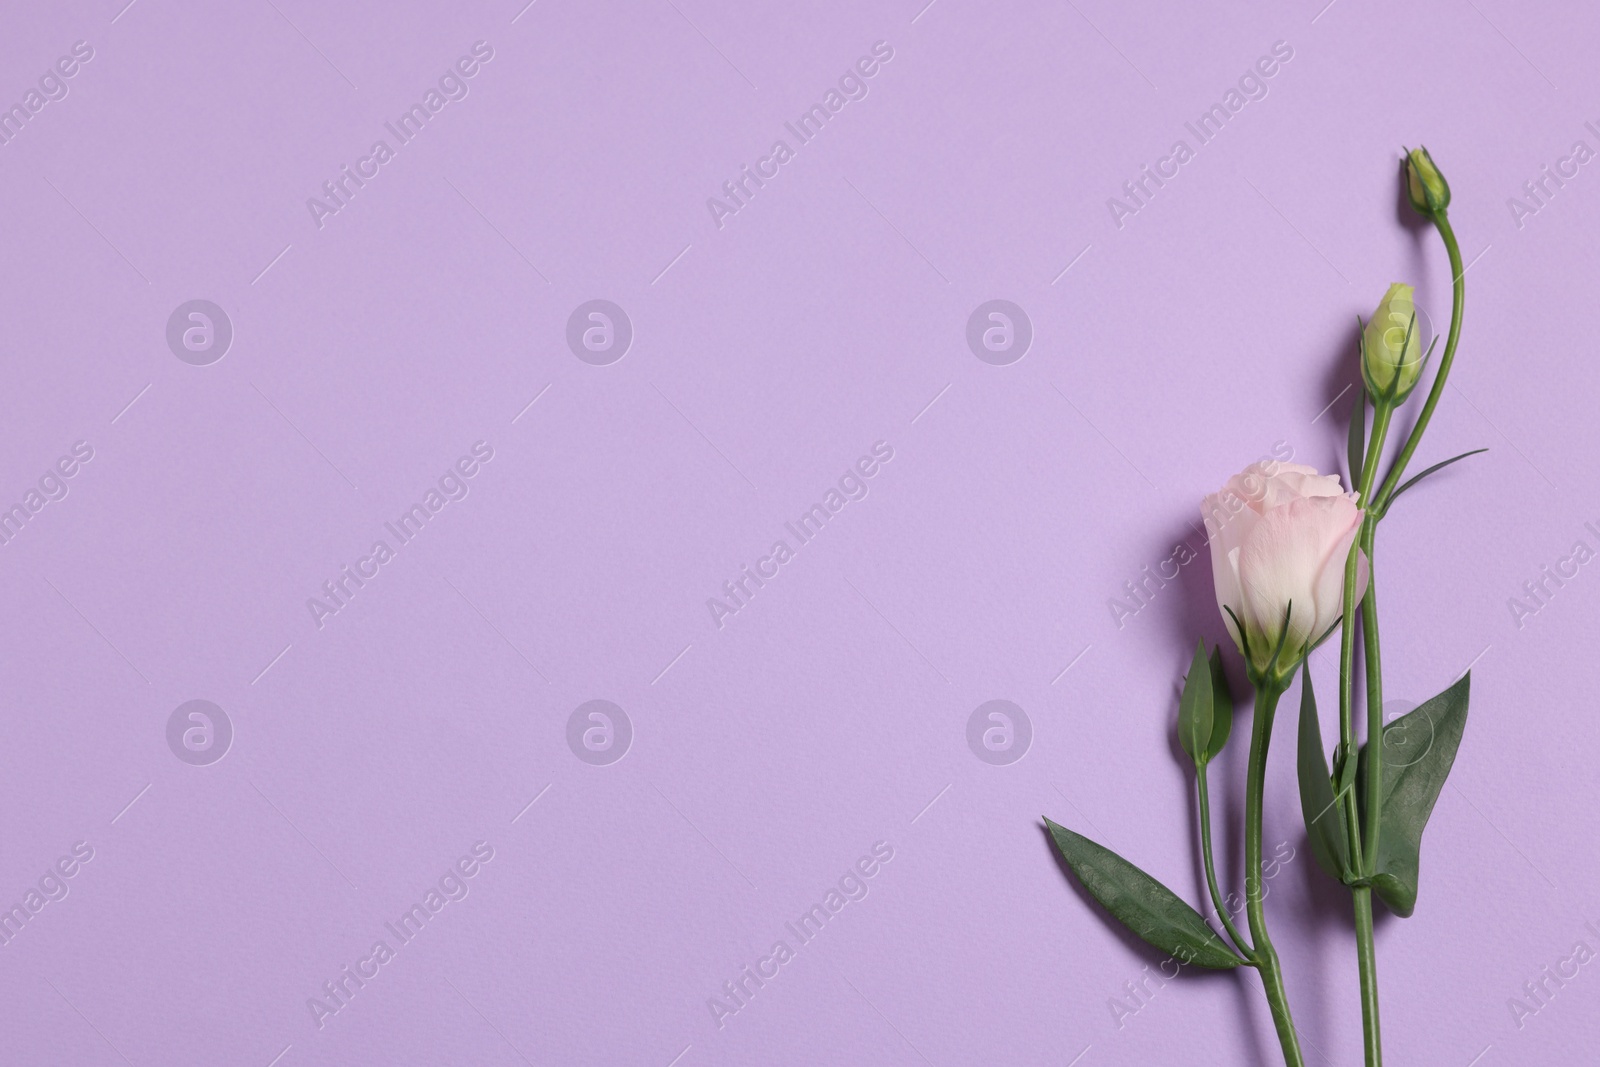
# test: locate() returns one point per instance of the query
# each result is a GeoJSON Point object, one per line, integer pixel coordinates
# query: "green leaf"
{"type": "Point", "coordinates": [1221, 705]}
{"type": "Point", "coordinates": [1325, 818]}
{"type": "Point", "coordinates": [1409, 482]}
{"type": "Point", "coordinates": [1419, 749]}
{"type": "Point", "coordinates": [1357, 445]}
{"type": "Point", "coordinates": [1143, 904]}
{"type": "Point", "coordinates": [1194, 708]}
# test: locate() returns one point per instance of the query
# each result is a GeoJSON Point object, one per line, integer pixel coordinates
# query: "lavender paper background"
{"type": "Point", "coordinates": [768, 354]}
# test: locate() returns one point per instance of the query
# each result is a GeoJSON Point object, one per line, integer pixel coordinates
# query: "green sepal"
{"type": "Point", "coordinates": [1221, 705]}
{"type": "Point", "coordinates": [1142, 904]}
{"type": "Point", "coordinates": [1410, 789]}
{"type": "Point", "coordinates": [1324, 815]}
{"type": "Point", "coordinates": [1194, 708]}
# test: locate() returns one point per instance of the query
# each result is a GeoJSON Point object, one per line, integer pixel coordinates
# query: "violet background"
{"type": "Point", "coordinates": [830, 713]}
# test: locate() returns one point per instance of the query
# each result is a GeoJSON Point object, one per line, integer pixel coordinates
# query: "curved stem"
{"type": "Point", "coordinates": [1458, 300]}
{"type": "Point", "coordinates": [1267, 694]}
{"type": "Point", "coordinates": [1211, 870]}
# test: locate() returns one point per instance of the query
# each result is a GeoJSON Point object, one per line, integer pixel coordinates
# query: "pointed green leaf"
{"type": "Point", "coordinates": [1221, 705]}
{"type": "Point", "coordinates": [1143, 904]}
{"type": "Point", "coordinates": [1325, 819]}
{"type": "Point", "coordinates": [1409, 482]}
{"type": "Point", "coordinates": [1419, 749]}
{"type": "Point", "coordinates": [1194, 708]}
{"type": "Point", "coordinates": [1357, 444]}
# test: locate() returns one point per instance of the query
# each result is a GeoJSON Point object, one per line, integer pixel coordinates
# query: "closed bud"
{"type": "Point", "coordinates": [1429, 192]}
{"type": "Point", "coordinates": [1391, 346]}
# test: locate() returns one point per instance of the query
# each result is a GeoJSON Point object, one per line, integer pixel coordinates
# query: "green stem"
{"type": "Point", "coordinates": [1458, 297]}
{"type": "Point", "coordinates": [1266, 957]}
{"type": "Point", "coordinates": [1211, 869]}
{"type": "Point", "coordinates": [1367, 960]}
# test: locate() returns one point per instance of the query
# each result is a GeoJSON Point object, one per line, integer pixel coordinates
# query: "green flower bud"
{"type": "Point", "coordinates": [1429, 192]}
{"type": "Point", "coordinates": [1391, 346]}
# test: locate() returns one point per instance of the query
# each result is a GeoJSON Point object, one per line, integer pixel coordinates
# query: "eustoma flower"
{"type": "Point", "coordinates": [1280, 534]}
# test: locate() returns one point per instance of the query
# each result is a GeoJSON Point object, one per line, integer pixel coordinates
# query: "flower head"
{"type": "Point", "coordinates": [1429, 192]}
{"type": "Point", "coordinates": [1280, 534]}
{"type": "Point", "coordinates": [1391, 346]}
